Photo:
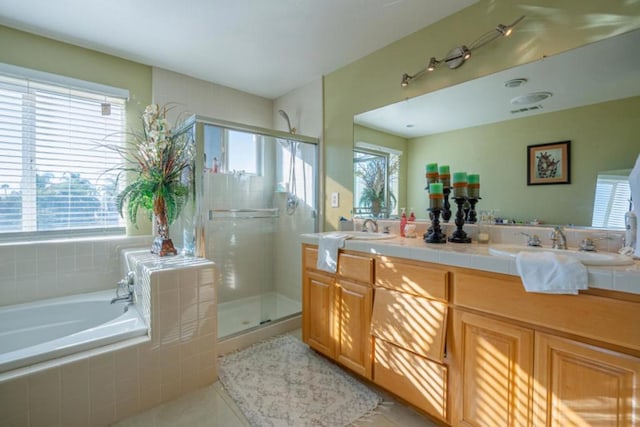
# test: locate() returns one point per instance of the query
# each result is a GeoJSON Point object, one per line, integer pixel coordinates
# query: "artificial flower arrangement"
{"type": "Point", "coordinates": [157, 160]}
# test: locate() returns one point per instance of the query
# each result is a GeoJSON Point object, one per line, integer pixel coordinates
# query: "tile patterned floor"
{"type": "Point", "coordinates": [213, 407]}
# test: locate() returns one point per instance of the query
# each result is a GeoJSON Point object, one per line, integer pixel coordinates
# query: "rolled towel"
{"type": "Point", "coordinates": [328, 246]}
{"type": "Point", "coordinates": [551, 273]}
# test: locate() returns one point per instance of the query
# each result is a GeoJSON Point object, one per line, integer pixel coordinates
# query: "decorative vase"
{"type": "Point", "coordinates": [162, 244]}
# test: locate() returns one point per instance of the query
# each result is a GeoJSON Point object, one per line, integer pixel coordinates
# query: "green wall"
{"type": "Point", "coordinates": [603, 137]}
{"type": "Point", "coordinates": [40, 53]}
{"type": "Point", "coordinates": [550, 27]}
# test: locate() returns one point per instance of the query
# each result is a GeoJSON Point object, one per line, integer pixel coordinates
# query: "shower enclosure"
{"type": "Point", "coordinates": [256, 192]}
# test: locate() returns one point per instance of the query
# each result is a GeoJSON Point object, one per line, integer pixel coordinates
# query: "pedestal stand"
{"type": "Point", "coordinates": [472, 216]}
{"type": "Point", "coordinates": [446, 212]}
{"type": "Point", "coordinates": [459, 236]}
{"type": "Point", "coordinates": [434, 235]}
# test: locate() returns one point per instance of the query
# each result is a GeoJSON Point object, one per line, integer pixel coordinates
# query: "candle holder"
{"type": "Point", "coordinates": [459, 236]}
{"type": "Point", "coordinates": [472, 216]}
{"type": "Point", "coordinates": [434, 234]}
{"type": "Point", "coordinates": [446, 212]}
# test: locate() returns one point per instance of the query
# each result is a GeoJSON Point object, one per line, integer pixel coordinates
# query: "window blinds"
{"type": "Point", "coordinates": [55, 156]}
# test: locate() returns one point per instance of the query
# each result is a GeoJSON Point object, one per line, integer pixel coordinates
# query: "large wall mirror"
{"type": "Point", "coordinates": [589, 96]}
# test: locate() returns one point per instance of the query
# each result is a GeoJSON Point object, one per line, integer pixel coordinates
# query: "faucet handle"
{"type": "Point", "coordinates": [533, 239]}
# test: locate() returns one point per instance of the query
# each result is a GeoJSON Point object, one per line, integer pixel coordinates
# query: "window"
{"type": "Point", "coordinates": [375, 183]}
{"type": "Point", "coordinates": [611, 200]}
{"type": "Point", "coordinates": [232, 151]}
{"type": "Point", "coordinates": [54, 133]}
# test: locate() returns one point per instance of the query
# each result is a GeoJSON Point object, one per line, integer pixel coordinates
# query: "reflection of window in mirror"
{"type": "Point", "coordinates": [375, 171]}
{"type": "Point", "coordinates": [612, 199]}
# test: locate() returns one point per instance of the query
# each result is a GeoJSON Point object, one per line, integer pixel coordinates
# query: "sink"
{"type": "Point", "coordinates": [587, 258]}
{"type": "Point", "coordinates": [368, 235]}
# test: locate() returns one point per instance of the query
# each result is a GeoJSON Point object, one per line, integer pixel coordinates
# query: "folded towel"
{"type": "Point", "coordinates": [634, 186]}
{"type": "Point", "coordinates": [328, 246]}
{"type": "Point", "coordinates": [547, 272]}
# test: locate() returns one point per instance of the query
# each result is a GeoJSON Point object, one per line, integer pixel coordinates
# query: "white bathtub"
{"type": "Point", "coordinates": [48, 329]}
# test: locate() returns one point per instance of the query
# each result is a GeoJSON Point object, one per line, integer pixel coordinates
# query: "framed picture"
{"type": "Point", "coordinates": [548, 163]}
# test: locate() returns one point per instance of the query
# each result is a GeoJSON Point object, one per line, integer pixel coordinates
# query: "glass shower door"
{"type": "Point", "coordinates": [259, 195]}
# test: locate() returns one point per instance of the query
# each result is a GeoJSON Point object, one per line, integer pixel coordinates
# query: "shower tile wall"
{"type": "Point", "coordinates": [242, 248]}
{"type": "Point", "coordinates": [37, 270]}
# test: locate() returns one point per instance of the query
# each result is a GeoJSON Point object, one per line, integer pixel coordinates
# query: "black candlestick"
{"type": "Point", "coordinates": [459, 236]}
{"type": "Point", "coordinates": [472, 217]}
{"type": "Point", "coordinates": [434, 235]}
{"type": "Point", "coordinates": [446, 212]}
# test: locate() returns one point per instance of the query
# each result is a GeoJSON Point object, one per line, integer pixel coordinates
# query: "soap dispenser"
{"type": "Point", "coordinates": [631, 226]}
{"type": "Point", "coordinates": [403, 222]}
{"type": "Point", "coordinates": [412, 216]}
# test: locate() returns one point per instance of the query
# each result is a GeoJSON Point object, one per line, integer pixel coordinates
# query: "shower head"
{"type": "Point", "coordinates": [286, 117]}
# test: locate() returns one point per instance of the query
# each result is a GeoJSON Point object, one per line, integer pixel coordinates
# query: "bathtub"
{"type": "Point", "coordinates": [48, 329]}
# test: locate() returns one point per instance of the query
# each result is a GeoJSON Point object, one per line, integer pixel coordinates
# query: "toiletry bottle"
{"type": "Point", "coordinates": [631, 226]}
{"type": "Point", "coordinates": [403, 222]}
{"type": "Point", "coordinates": [412, 216]}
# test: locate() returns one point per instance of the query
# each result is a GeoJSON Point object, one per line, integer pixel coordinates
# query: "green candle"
{"type": "Point", "coordinates": [444, 169]}
{"type": "Point", "coordinates": [432, 167]}
{"type": "Point", "coordinates": [444, 176]}
{"type": "Point", "coordinates": [459, 177]}
{"type": "Point", "coordinates": [474, 186]}
{"type": "Point", "coordinates": [435, 188]}
{"type": "Point", "coordinates": [459, 184]}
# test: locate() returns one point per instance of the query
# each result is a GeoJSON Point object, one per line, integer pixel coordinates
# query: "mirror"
{"type": "Point", "coordinates": [485, 125]}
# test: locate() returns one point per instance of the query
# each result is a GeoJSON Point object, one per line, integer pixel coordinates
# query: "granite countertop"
{"type": "Point", "coordinates": [473, 255]}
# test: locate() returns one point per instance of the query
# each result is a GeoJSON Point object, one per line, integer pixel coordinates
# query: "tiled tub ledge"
{"type": "Point", "coordinates": [108, 384]}
{"type": "Point", "coordinates": [476, 256]}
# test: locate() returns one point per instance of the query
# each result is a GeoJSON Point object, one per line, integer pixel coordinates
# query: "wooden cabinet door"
{"type": "Point", "coordinates": [317, 307]}
{"type": "Point", "coordinates": [353, 321]}
{"type": "Point", "coordinates": [581, 385]}
{"type": "Point", "coordinates": [494, 361]}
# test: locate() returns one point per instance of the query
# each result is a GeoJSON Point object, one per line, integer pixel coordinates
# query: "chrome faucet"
{"type": "Point", "coordinates": [128, 284]}
{"type": "Point", "coordinates": [533, 239]}
{"type": "Point", "coordinates": [558, 238]}
{"type": "Point", "coordinates": [372, 221]}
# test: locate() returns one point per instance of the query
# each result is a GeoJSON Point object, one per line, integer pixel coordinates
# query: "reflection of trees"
{"type": "Point", "coordinates": [374, 173]}
{"type": "Point", "coordinates": [72, 201]}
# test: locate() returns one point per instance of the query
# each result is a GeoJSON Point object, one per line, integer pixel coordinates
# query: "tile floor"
{"type": "Point", "coordinates": [213, 407]}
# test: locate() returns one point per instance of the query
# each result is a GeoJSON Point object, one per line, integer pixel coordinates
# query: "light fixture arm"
{"type": "Point", "coordinates": [459, 55]}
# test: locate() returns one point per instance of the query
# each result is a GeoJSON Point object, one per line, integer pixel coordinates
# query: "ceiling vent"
{"type": "Point", "coordinates": [531, 98]}
{"type": "Point", "coordinates": [515, 82]}
{"type": "Point", "coordinates": [525, 109]}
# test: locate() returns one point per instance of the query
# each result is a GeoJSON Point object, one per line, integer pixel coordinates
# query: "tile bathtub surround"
{"type": "Point", "coordinates": [37, 270]}
{"type": "Point", "coordinates": [118, 381]}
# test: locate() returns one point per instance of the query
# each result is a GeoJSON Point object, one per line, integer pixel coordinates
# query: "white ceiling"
{"type": "Point", "coordinates": [263, 47]}
{"type": "Point", "coordinates": [598, 72]}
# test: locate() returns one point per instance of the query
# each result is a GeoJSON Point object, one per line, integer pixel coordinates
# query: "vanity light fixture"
{"type": "Point", "coordinates": [459, 55]}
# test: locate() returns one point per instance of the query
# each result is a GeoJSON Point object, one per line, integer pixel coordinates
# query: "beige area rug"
{"type": "Point", "coordinates": [281, 382]}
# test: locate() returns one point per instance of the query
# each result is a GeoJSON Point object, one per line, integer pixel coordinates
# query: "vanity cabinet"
{"type": "Point", "coordinates": [409, 330]}
{"type": "Point", "coordinates": [336, 309]}
{"type": "Point", "coordinates": [542, 360]}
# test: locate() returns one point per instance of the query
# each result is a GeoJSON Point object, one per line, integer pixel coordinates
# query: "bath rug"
{"type": "Point", "coordinates": [282, 382]}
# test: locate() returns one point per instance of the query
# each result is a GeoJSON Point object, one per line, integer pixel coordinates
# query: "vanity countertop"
{"type": "Point", "coordinates": [473, 255]}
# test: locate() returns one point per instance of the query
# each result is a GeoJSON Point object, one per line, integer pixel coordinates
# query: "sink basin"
{"type": "Point", "coordinates": [587, 258]}
{"type": "Point", "coordinates": [368, 235]}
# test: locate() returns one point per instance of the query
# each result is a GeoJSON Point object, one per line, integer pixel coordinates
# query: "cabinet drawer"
{"type": "Point", "coordinates": [310, 257]}
{"type": "Point", "coordinates": [412, 278]}
{"type": "Point", "coordinates": [356, 267]}
{"type": "Point", "coordinates": [604, 319]}
{"type": "Point", "coordinates": [417, 380]}
{"type": "Point", "coordinates": [414, 323]}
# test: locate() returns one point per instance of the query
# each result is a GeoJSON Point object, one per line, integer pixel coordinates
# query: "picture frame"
{"type": "Point", "coordinates": [549, 163]}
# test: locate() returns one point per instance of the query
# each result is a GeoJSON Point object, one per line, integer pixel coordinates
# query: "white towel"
{"type": "Point", "coordinates": [634, 185]}
{"type": "Point", "coordinates": [550, 273]}
{"type": "Point", "coordinates": [328, 246]}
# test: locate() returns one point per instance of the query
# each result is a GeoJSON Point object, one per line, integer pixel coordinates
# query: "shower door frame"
{"type": "Point", "coordinates": [199, 122]}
